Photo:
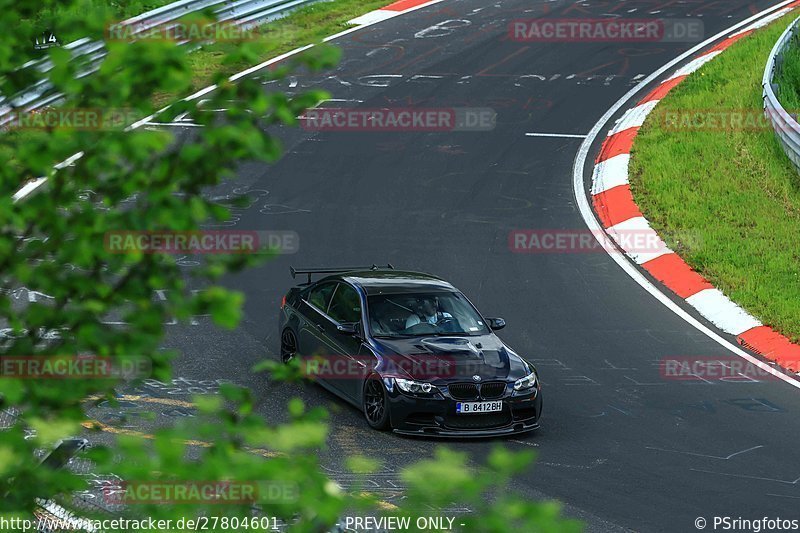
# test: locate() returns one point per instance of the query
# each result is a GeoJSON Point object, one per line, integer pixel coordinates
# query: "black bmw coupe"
{"type": "Point", "coordinates": [410, 351]}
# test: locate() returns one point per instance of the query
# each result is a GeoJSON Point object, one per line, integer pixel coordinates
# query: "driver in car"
{"type": "Point", "coordinates": [428, 312]}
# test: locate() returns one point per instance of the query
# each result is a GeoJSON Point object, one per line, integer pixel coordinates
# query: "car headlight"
{"type": "Point", "coordinates": [528, 382]}
{"type": "Point", "coordinates": [415, 387]}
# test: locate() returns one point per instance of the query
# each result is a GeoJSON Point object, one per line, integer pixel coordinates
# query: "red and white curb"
{"type": "Point", "coordinates": [619, 215]}
{"type": "Point", "coordinates": [392, 10]}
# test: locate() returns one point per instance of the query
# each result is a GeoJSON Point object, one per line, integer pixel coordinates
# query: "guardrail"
{"type": "Point", "coordinates": [243, 13]}
{"type": "Point", "coordinates": [784, 123]}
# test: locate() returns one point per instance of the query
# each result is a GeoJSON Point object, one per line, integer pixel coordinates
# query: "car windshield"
{"type": "Point", "coordinates": [411, 315]}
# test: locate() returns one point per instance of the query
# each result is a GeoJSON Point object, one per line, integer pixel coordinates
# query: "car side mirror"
{"type": "Point", "coordinates": [496, 323]}
{"type": "Point", "coordinates": [348, 329]}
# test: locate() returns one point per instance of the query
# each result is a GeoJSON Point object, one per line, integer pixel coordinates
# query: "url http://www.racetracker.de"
{"type": "Point", "coordinates": [222, 523]}
{"type": "Point", "coordinates": [202, 523]}
{"type": "Point", "coordinates": [754, 525]}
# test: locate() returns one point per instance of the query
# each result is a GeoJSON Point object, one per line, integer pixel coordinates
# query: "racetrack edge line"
{"type": "Point", "coordinates": [588, 215]}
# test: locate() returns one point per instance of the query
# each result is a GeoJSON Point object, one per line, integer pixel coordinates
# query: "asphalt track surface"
{"type": "Point", "coordinates": [622, 447]}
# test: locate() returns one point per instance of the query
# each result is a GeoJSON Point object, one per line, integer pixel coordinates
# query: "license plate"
{"type": "Point", "coordinates": [468, 408]}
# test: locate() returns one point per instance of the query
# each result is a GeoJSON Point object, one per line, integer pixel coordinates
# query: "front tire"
{"type": "Point", "coordinates": [376, 404]}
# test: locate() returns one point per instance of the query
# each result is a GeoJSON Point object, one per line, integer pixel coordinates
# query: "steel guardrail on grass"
{"type": "Point", "coordinates": [783, 122]}
{"type": "Point", "coordinates": [243, 13]}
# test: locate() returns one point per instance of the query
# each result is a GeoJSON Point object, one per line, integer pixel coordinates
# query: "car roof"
{"type": "Point", "coordinates": [385, 281]}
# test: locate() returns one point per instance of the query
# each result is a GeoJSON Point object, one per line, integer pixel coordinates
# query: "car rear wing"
{"type": "Point", "coordinates": [334, 270]}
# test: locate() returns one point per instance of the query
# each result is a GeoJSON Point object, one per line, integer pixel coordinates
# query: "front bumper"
{"type": "Point", "coordinates": [411, 415]}
{"type": "Point", "coordinates": [468, 434]}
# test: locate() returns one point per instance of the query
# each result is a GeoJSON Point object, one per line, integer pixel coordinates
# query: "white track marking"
{"type": "Point", "coordinates": [155, 125]}
{"type": "Point", "coordinates": [373, 17]}
{"type": "Point", "coordinates": [634, 231]}
{"type": "Point", "coordinates": [763, 22]}
{"type": "Point", "coordinates": [611, 173]}
{"type": "Point", "coordinates": [722, 312]}
{"type": "Point", "coordinates": [634, 117]}
{"type": "Point", "coordinates": [558, 135]}
{"type": "Point", "coordinates": [695, 64]}
{"type": "Point", "coordinates": [34, 184]}
{"type": "Point", "coordinates": [409, 10]}
{"type": "Point", "coordinates": [590, 220]}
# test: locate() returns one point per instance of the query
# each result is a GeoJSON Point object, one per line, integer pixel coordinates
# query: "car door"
{"type": "Point", "coordinates": [312, 332]}
{"type": "Point", "coordinates": [346, 308]}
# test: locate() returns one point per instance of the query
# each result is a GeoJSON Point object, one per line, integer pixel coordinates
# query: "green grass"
{"type": "Point", "coordinates": [304, 26]}
{"type": "Point", "coordinates": [788, 78]}
{"type": "Point", "coordinates": [734, 190]}
{"type": "Point", "coordinates": [301, 27]}
{"type": "Point", "coordinates": [64, 20]}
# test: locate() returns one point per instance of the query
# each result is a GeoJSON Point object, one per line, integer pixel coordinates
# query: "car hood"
{"type": "Point", "coordinates": [450, 358]}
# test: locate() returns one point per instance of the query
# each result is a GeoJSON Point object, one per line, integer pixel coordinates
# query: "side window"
{"type": "Point", "coordinates": [346, 305]}
{"type": "Point", "coordinates": [320, 296]}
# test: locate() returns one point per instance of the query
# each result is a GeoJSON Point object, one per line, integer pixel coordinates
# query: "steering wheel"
{"type": "Point", "coordinates": [445, 320]}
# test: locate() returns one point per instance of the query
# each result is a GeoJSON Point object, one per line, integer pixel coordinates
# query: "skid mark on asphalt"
{"type": "Point", "coordinates": [594, 464]}
{"type": "Point", "coordinates": [722, 458]}
{"type": "Point", "coordinates": [97, 425]}
{"type": "Point", "coordinates": [728, 458]}
{"type": "Point", "coordinates": [381, 487]}
{"type": "Point", "coordinates": [531, 444]}
{"type": "Point", "coordinates": [181, 386]}
{"type": "Point", "coordinates": [745, 476]}
{"type": "Point", "coordinates": [384, 487]}
{"type": "Point", "coordinates": [22, 296]}
{"type": "Point", "coordinates": [171, 402]}
{"type": "Point", "coordinates": [345, 440]}
{"type": "Point", "coordinates": [591, 466]}
{"type": "Point", "coordinates": [146, 399]}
